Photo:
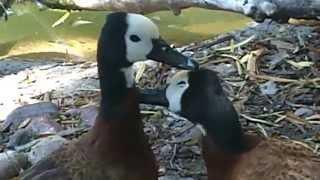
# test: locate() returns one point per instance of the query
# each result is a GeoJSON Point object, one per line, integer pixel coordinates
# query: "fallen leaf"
{"type": "Point", "coordinates": [300, 65]}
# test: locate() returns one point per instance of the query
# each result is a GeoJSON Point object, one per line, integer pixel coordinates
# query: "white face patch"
{"type": "Point", "coordinates": [128, 74]}
{"type": "Point", "coordinates": [178, 84]}
{"type": "Point", "coordinates": [139, 35]}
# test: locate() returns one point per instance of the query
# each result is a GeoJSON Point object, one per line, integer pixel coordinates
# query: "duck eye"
{"type": "Point", "coordinates": [181, 83]}
{"type": "Point", "coordinates": [134, 38]}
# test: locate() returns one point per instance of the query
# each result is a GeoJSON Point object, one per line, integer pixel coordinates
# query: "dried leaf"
{"type": "Point", "coordinates": [140, 71]}
{"type": "Point", "coordinates": [314, 117]}
{"type": "Point", "coordinates": [295, 119]}
{"type": "Point", "coordinates": [237, 45]}
{"type": "Point", "coordinates": [252, 66]}
{"type": "Point", "coordinates": [300, 65]}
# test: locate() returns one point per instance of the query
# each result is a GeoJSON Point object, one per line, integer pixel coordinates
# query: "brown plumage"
{"type": "Point", "coordinates": [229, 153]}
{"type": "Point", "coordinates": [114, 150]}
{"type": "Point", "coordinates": [264, 159]}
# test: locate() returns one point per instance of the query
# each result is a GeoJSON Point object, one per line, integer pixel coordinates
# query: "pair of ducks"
{"type": "Point", "coordinates": [117, 149]}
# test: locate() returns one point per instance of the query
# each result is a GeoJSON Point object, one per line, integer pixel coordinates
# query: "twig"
{"type": "Point", "coordinates": [173, 155]}
{"type": "Point", "coordinates": [148, 112]}
{"type": "Point", "coordinates": [275, 79]}
{"type": "Point", "coordinates": [281, 117]}
{"type": "Point", "coordinates": [259, 120]}
{"type": "Point", "coordinates": [140, 71]}
{"type": "Point", "coordinates": [262, 130]}
{"type": "Point", "coordinates": [87, 89]}
{"type": "Point", "coordinates": [173, 115]}
{"type": "Point", "coordinates": [285, 80]}
{"type": "Point", "coordinates": [238, 63]}
{"type": "Point", "coordinates": [215, 42]}
{"type": "Point", "coordinates": [316, 149]}
{"type": "Point", "coordinates": [314, 122]}
{"type": "Point", "coordinates": [303, 144]}
{"type": "Point", "coordinates": [203, 59]}
{"type": "Point", "coordinates": [185, 129]}
{"type": "Point", "coordinates": [271, 114]}
{"type": "Point", "coordinates": [314, 117]}
{"type": "Point", "coordinates": [290, 116]}
{"type": "Point", "coordinates": [237, 45]}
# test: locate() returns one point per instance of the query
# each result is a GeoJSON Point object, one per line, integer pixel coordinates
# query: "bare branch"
{"type": "Point", "coordinates": [259, 10]}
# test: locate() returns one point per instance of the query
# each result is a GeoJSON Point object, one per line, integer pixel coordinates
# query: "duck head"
{"type": "Point", "coordinates": [199, 97]}
{"type": "Point", "coordinates": [127, 38]}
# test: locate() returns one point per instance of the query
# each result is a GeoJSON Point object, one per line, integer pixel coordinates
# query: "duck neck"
{"type": "Point", "coordinates": [118, 94]}
{"type": "Point", "coordinates": [118, 128]}
{"type": "Point", "coordinates": [116, 82]}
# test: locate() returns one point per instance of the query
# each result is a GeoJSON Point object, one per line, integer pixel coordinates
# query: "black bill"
{"type": "Point", "coordinates": [153, 97]}
{"type": "Point", "coordinates": [162, 52]}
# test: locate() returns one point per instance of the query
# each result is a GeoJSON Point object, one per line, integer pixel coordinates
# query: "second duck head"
{"type": "Point", "coordinates": [199, 97]}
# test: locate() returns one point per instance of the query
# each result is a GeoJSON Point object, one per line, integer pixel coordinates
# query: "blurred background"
{"type": "Point", "coordinates": [36, 34]}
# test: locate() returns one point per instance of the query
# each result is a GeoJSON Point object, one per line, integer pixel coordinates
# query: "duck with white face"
{"type": "Point", "coordinates": [199, 97]}
{"type": "Point", "coordinates": [143, 41]}
{"type": "Point", "coordinates": [130, 38]}
{"type": "Point", "coordinates": [116, 148]}
{"type": "Point", "coordinates": [229, 153]}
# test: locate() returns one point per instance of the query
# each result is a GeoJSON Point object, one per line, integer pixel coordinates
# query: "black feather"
{"type": "Point", "coordinates": [204, 102]}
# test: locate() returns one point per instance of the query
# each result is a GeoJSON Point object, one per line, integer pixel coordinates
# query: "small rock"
{"type": "Point", "coordinates": [20, 137]}
{"type": "Point", "coordinates": [167, 149]}
{"type": "Point", "coordinates": [225, 70]}
{"type": "Point", "coordinates": [4, 138]}
{"type": "Point", "coordinates": [12, 66]}
{"type": "Point", "coordinates": [44, 126]}
{"type": "Point", "coordinates": [304, 112]}
{"type": "Point", "coordinates": [282, 44]}
{"type": "Point", "coordinates": [11, 163]}
{"type": "Point", "coordinates": [45, 147]}
{"type": "Point", "coordinates": [38, 127]}
{"type": "Point", "coordinates": [19, 115]}
{"type": "Point", "coordinates": [87, 114]}
{"type": "Point", "coordinates": [269, 88]}
{"type": "Point", "coordinates": [277, 58]}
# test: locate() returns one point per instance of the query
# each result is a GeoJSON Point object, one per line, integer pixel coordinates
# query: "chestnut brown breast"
{"type": "Point", "coordinates": [266, 159]}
